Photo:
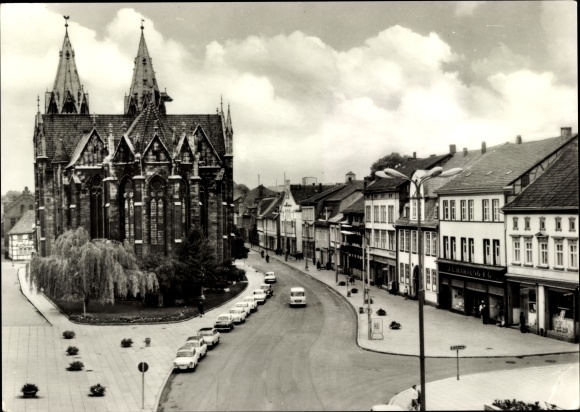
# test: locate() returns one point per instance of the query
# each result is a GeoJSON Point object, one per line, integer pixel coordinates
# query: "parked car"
{"type": "Point", "coordinates": [210, 335]}
{"type": "Point", "coordinates": [225, 321]}
{"type": "Point", "coordinates": [260, 296]}
{"type": "Point", "coordinates": [251, 300]}
{"type": "Point", "coordinates": [247, 306]}
{"type": "Point", "coordinates": [239, 315]}
{"type": "Point", "coordinates": [268, 289]}
{"type": "Point", "coordinates": [270, 277]}
{"type": "Point", "coordinates": [186, 358]}
{"type": "Point", "coordinates": [198, 343]}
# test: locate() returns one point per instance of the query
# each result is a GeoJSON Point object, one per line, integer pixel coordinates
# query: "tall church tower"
{"type": "Point", "coordinates": [144, 86]}
{"type": "Point", "coordinates": [67, 95]}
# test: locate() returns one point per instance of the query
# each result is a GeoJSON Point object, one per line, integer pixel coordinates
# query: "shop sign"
{"type": "Point", "coordinates": [473, 272]}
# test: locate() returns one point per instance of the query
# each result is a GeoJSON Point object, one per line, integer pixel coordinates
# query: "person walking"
{"type": "Point", "coordinates": [267, 257]}
{"type": "Point", "coordinates": [262, 253]}
{"type": "Point", "coordinates": [522, 323]}
{"type": "Point", "coordinates": [200, 309]}
{"type": "Point", "coordinates": [318, 265]}
{"type": "Point", "coordinates": [406, 292]}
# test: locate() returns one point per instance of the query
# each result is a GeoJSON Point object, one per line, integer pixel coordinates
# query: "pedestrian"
{"type": "Point", "coordinates": [406, 292]}
{"type": "Point", "coordinates": [267, 257]}
{"type": "Point", "coordinates": [480, 309]}
{"type": "Point", "coordinates": [318, 265]}
{"type": "Point", "coordinates": [484, 312]}
{"type": "Point", "coordinates": [200, 308]}
{"type": "Point", "coordinates": [415, 401]}
{"type": "Point", "coordinates": [522, 323]}
{"type": "Point", "coordinates": [262, 253]}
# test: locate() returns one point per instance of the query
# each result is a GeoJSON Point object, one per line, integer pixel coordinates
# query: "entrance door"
{"type": "Point", "coordinates": [473, 299]}
{"type": "Point", "coordinates": [444, 297]}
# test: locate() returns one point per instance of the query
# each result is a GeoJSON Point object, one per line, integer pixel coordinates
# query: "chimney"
{"type": "Point", "coordinates": [452, 149]}
{"type": "Point", "coordinates": [566, 133]}
{"type": "Point", "coordinates": [519, 139]}
{"type": "Point", "coordinates": [464, 151]}
{"type": "Point", "coordinates": [483, 149]}
{"type": "Point", "coordinates": [414, 155]}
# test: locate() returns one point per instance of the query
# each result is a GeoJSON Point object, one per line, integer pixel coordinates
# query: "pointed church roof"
{"type": "Point", "coordinates": [229, 127]}
{"type": "Point", "coordinates": [67, 94]}
{"type": "Point", "coordinates": [144, 85]}
{"type": "Point", "coordinates": [61, 156]}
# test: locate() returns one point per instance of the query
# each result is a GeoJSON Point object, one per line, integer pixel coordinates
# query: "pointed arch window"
{"type": "Point", "coordinates": [129, 211]}
{"type": "Point", "coordinates": [157, 215]}
{"type": "Point", "coordinates": [97, 218]}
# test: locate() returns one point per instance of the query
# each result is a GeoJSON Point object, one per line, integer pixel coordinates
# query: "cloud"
{"type": "Point", "coordinates": [466, 8]}
{"type": "Point", "coordinates": [298, 106]}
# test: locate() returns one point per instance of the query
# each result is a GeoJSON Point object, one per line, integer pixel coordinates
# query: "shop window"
{"type": "Point", "coordinates": [572, 224]}
{"type": "Point", "coordinates": [433, 280]}
{"type": "Point", "coordinates": [457, 299]}
{"type": "Point", "coordinates": [528, 251]}
{"type": "Point", "coordinates": [445, 210]}
{"type": "Point", "coordinates": [428, 278]}
{"type": "Point", "coordinates": [559, 251]}
{"type": "Point", "coordinates": [561, 305]}
{"type": "Point", "coordinates": [515, 220]}
{"type": "Point", "coordinates": [485, 207]}
{"type": "Point", "coordinates": [517, 250]}
{"type": "Point", "coordinates": [543, 245]}
{"type": "Point", "coordinates": [558, 224]}
{"type": "Point", "coordinates": [470, 210]}
{"type": "Point", "coordinates": [573, 254]}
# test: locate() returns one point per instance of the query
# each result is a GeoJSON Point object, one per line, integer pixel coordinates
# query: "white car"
{"type": "Point", "coordinates": [260, 296]}
{"type": "Point", "coordinates": [251, 301]}
{"type": "Point", "coordinates": [270, 277]}
{"type": "Point", "coordinates": [239, 315]}
{"type": "Point", "coordinates": [225, 321]}
{"type": "Point", "coordinates": [210, 335]}
{"type": "Point", "coordinates": [186, 358]}
{"type": "Point", "coordinates": [198, 343]}
{"type": "Point", "coordinates": [247, 306]}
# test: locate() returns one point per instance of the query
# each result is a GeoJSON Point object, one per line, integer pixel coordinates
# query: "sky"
{"type": "Point", "coordinates": [315, 89]}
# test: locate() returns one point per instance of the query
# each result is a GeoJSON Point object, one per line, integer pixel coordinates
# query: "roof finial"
{"type": "Point", "coordinates": [142, 21]}
{"type": "Point", "coordinates": [38, 103]}
{"type": "Point", "coordinates": [66, 23]}
{"type": "Point", "coordinates": [222, 102]}
{"type": "Point", "coordinates": [94, 119]}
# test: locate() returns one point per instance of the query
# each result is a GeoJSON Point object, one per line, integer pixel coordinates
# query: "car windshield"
{"type": "Point", "coordinates": [296, 293]}
{"type": "Point", "coordinates": [185, 354]}
{"type": "Point", "coordinates": [206, 332]}
{"type": "Point", "coordinates": [236, 310]}
{"type": "Point", "coordinates": [223, 318]}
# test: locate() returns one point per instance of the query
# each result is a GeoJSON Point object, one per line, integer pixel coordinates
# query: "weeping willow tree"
{"type": "Point", "coordinates": [79, 269]}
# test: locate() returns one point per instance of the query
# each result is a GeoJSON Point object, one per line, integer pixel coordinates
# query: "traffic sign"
{"type": "Point", "coordinates": [143, 367]}
{"type": "Point", "coordinates": [458, 347]}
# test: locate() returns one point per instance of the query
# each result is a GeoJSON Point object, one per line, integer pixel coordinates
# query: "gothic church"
{"type": "Point", "coordinates": [144, 176]}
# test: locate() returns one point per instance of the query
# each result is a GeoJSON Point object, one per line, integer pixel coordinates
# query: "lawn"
{"type": "Point", "coordinates": [134, 311]}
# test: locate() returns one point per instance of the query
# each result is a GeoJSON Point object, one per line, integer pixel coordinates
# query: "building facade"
{"type": "Point", "coordinates": [15, 210]}
{"type": "Point", "coordinates": [21, 238]}
{"type": "Point", "coordinates": [143, 176]}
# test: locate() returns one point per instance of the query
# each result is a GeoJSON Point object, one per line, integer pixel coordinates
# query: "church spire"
{"type": "Point", "coordinates": [67, 95]}
{"type": "Point", "coordinates": [144, 87]}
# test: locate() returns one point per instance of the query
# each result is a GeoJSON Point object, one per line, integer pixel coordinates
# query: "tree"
{"type": "Point", "coordinates": [389, 161]}
{"type": "Point", "coordinates": [196, 263]}
{"type": "Point", "coordinates": [242, 188]}
{"type": "Point", "coordinates": [240, 250]}
{"type": "Point", "coordinates": [81, 269]}
{"type": "Point", "coordinates": [12, 195]}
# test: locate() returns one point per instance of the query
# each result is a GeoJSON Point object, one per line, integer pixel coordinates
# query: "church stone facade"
{"type": "Point", "coordinates": [144, 176]}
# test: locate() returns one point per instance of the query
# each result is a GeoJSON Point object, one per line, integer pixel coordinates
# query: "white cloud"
{"type": "Point", "coordinates": [466, 8]}
{"type": "Point", "coordinates": [560, 26]}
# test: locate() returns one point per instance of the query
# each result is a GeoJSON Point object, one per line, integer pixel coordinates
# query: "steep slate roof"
{"type": "Point", "coordinates": [503, 165]}
{"type": "Point", "coordinates": [25, 224]}
{"type": "Point", "coordinates": [268, 207]}
{"type": "Point", "coordinates": [356, 207]}
{"type": "Point", "coordinates": [330, 189]}
{"type": "Point", "coordinates": [556, 188]}
{"type": "Point", "coordinates": [300, 192]}
{"type": "Point", "coordinates": [346, 190]}
{"type": "Point", "coordinates": [259, 192]}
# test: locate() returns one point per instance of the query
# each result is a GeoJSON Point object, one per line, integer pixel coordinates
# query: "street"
{"type": "Point", "coordinates": [307, 359]}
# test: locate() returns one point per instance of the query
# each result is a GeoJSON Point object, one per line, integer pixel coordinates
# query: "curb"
{"type": "Point", "coordinates": [33, 305]}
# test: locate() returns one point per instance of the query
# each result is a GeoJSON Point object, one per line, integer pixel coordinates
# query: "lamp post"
{"type": "Point", "coordinates": [418, 183]}
{"type": "Point", "coordinates": [306, 246]}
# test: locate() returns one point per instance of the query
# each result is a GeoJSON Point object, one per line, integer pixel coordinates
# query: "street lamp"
{"type": "Point", "coordinates": [418, 183]}
{"type": "Point", "coordinates": [306, 246]}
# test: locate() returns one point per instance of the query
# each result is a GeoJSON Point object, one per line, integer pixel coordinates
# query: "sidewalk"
{"type": "Point", "coordinates": [559, 384]}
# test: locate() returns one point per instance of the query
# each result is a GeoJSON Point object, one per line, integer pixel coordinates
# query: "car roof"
{"type": "Point", "coordinates": [194, 338]}
{"type": "Point", "coordinates": [224, 314]}
{"type": "Point", "coordinates": [269, 273]}
{"type": "Point", "coordinates": [258, 290]}
{"type": "Point", "coordinates": [189, 348]}
{"type": "Point", "coordinates": [296, 289]}
{"type": "Point", "coordinates": [205, 329]}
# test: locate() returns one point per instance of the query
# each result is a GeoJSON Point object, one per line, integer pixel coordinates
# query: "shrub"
{"type": "Point", "coordinates": [354, 290]}
{"type": "Point", "coordinates": [381, 312]}
{"type": "Point", "coordinates": [72, 350]}
{"type": "Point", "coordinates": [98, 390]}
{"type": "Point", "coordinates": [68, 334]}
{"type": "Point", "coordinates": [395, 325]}
{"type": "Point", "coordinates": [515, 405]}
{"type": "Point", "coordinates": [76, 366]}
{"type": "Point", "coordinates": [367, 301]}
{"type": "Point", "coordinates": [126, 343]}
{"type": "Point", "coordinates": [151, 299]}
{"type": "Point", "coordinates": [341, 283]}
{"type": "Point", "coordinates": [29, 387]}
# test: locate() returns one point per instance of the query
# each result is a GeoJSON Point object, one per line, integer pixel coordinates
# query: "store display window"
{"type": "Point", "coordinates": [561, 304]}
{"type": "Point", "coordinates": [457, 299]}
{"type": "Point", "coordinates": [529, 305]}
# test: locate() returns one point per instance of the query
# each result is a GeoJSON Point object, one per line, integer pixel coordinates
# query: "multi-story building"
{"type": "Point", "coordinates": [248, 212]}
{"type": "Point", "coordinates": [542, 250]}
{"type": "Point", "coordinates": [21, 238]}
{"type": "Point", "coordinates": [14, 210]}
{"type": "Point", "coordinates": [143, 176]}
{"type": "Point", "coordinates": [472, 261]}
{"type": "Point", "coordinates": [268, 222]}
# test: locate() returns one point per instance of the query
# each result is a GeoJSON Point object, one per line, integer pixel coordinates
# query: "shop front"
{"type": "Point", "coordinates": [550, 308]}
{"type": "Point", "coordinates": [384, 273]}
{"type": "Point", "coordinates": [463, 288]}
